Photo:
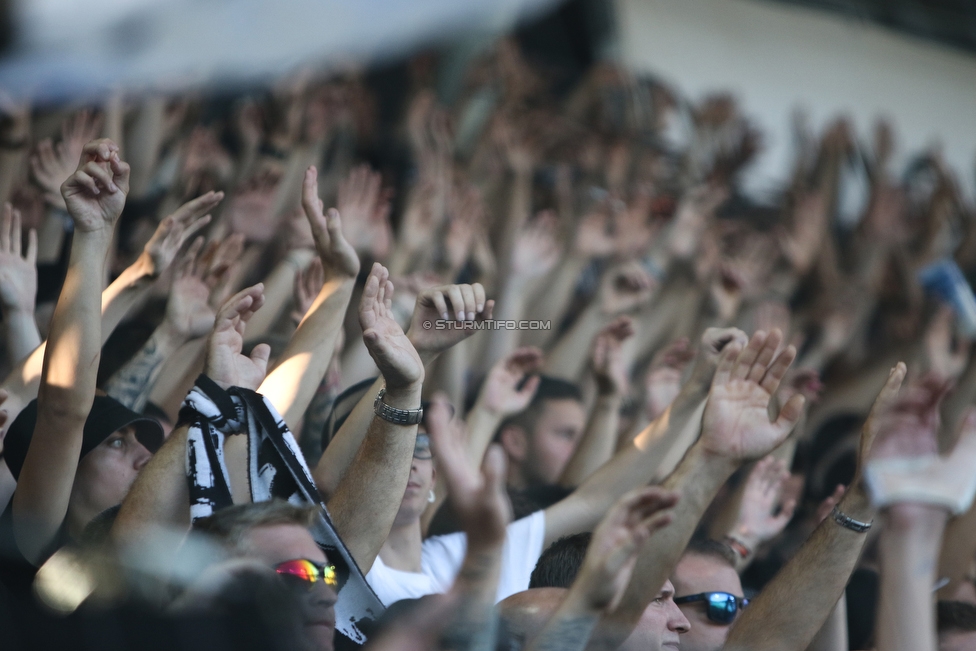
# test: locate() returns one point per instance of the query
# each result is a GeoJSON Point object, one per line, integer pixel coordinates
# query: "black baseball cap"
{"type": "Point", "coordinates": [106, 417]}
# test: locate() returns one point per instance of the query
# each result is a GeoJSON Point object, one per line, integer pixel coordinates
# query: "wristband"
{"type": "Point", "coordinates": [848, 522]}
{"type": "Point", "coordinates": [394, 415]}
{"type": "Point", "coordinates": [739, 547]}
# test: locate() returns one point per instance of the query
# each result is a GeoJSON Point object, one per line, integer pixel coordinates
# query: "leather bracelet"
{"type": "Point", "coordinates": [738, 547]}
{"type": "Point", "coordinates": [848, 522]}
{"type": "Point", "coordinates": [394, 415]}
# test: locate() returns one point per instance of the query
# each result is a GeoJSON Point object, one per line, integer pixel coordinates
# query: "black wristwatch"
{"type": "Point", "coordinates": [394, 415]}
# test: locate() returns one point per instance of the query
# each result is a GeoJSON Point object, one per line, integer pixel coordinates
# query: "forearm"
{"type": "Point", "coordinates": [482, 423]}
{"type": "Point", "coordinates": [316, 416]}
{"type": "Point", "coordinates": [125, 292]}
{"type": "Point", "coordinates": [277, 291]}
{"type": "Point", "coordinates": [367, 499]}
{"type": "Point", "coordinates": [338, 457]}
{"type": "Point", "coordinates": [566, 361]}
{"type": "Point", "coordinates": [292, 384]}
{"type": "Point", "coordinates": [554, 298]}
{"type": "Point", "coordinates": [21, 333]}
{"type": "Point", "coordinates": [510, 306]}
{"type": "Point", "coordinates": [909, 554]}
{"type": "Point", "coordinates": [598, 442]}
{"type": "Point", "coordinates": [65, 396]}
{"type": "Point", "coordinates": [12, 161]}
{"type": "Point", "coordinates": [810, 583]}
{"type": "Point", "coordinates": [958, 551]}
{"type": "Point", "coordinates": [569, 628]}
{"type": "Point", "coordinates": [159, 496]}
{"type": "Point", "coordinates": [832, 636]}
{"type": "Point", "coordinates": [132, 384]}
{"type": "Point", "coordinates": [474, 625]}
{"type": "Point", "coordinates": [145, 140]}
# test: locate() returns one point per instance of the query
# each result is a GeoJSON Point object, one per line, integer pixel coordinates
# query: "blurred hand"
{"type": "Point", "coordinates": [501, 393]}
{"type": "Point", "coordinates": [663, 380]}
{"type": "Point", "coordinates": [610, 368]}
{"type": "Point", "coordinates": [365, 211]}
{"type": "Point", "coordinates": [947, 355]}
{"type": "Point", "coordinates": [18, 275]}
{"type": "Point", "coordinates": [625, 287]}
{"type": "Point", "coordinates": [764, 511]}
{"type": "Point", "coordinates": [308, 284]}
{"type": "Point", "coordinates": [536, 250]}
{"type": "Point", "coordinates": [189, 311]}
{"type": "Point", "coordinates": [53, 165]}
{"type": "Point", "coordinates": [226, 365]}
{"type": "Point", "coordinates": [175, 229]}
{"type": "Point", "coordinates": [250, 211]}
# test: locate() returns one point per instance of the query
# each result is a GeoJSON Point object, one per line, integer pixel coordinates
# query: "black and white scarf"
{"type": "Point", "coordinates": [276, 469]}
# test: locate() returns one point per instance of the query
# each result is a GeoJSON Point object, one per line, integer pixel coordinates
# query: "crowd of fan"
{"type": "Point", "coordinates": [655, 414]}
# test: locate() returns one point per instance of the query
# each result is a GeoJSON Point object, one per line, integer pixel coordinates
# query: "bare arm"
{"type": "Point", "coordinates": [291, 386]}
{"type": "Point", "coordinates": [369, 495]}
{"type": "Point", "coordinates": [95, 195]}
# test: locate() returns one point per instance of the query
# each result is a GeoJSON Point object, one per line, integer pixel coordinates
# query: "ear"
{"type": "Point", "coordinates": [515, 443]}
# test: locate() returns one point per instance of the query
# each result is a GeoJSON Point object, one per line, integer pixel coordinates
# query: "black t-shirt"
{"type": "Point", "coordinates": [16, 572]}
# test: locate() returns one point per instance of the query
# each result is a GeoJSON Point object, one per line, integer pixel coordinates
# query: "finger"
{"type": "Point", "coordinates": [889, 392]}
{"type": "Point", "coordinates": [5, 227]}
{"type": "Point", "coordinates": [15, 235]}
{"type": "Point", "coordinates": [32, 246]}
{"type": "Point", "coordinates": [457, 301]}
{"type": "Point", "coordinates": [120, 172]}
{"type": "Point", "coordinates": [749, 355]}
{"type": "Point", "coordinates": [310, 196]}
{"type": "Point", "coordinates": [789, 415]}
{"type": "Point", "coordinates": [101, 148]}
{"type": "Point", "coordinates": [437, 298]}
{"type": "Point", "coordinates": [726, 362]}
{"type": "Point", "coordinates": [470, 304]}
{"type": "Point", "coordinates": [489, 311]}
{"type": "Point", "coordinates": [493, 468]}
{"type": "Point", "coordinates": [259, 356]}
{"type": "Point", "coordinates": [479, 296]}
{"type": "Point", "coordinates": [769, 349]}
{"type": "Point", "coordinates": [530, 387]}
{"type": "Point", "coordinates": [79, 178]}
{"type": "Point", "coordinates": [194, 227]}
{"type": "Point", "coordinates": [778, 369]}
{"type": "Point", "coordinates": [388, 295]}
{"type": "Point", "coordinates": [101, 175]}
{"type": "Point", "coordinates": [188, 264]}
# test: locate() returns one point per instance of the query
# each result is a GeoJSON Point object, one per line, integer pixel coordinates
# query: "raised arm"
{"type": "Point", "coordinates": [611, 371]}
{"type": "Point", "coordinates": [736, 427]}
{"type": "Point", "coordinates": [292, 384]}
{"type": "Point", "coordinates": [815, 577]}
{"type": "Point", "coordinates": [368, 496]}
{"type": "Point", "coordinates": [95, 195]}
{"type": "Point", "coordinates": [160, 496]}
{"type": "Point", "coordinates": [467, 303]}
{"type": "Point", "coordinates": [607, 568]}
{"type": "Point", "coordinates": [18, 286]}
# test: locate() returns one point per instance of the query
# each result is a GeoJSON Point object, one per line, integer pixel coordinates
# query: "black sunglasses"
{"type": "Point", "coordinates": [720, 607]}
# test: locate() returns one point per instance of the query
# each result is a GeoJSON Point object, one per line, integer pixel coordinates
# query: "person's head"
{"type": "Point", "coordinates": [956, 625]}
{"type": "Point", "coordinates": [707, 566]}
{"type": "Point", "coordinates": [420, 483]}
{"type": "Point", "coordinates": [660, 625]}
{"type": "Point", "coordinates": [276, 533]}
{"type": "Point", "coordinates": [117, 442]}
{"type": "Point", "coordinates": [540, 440]}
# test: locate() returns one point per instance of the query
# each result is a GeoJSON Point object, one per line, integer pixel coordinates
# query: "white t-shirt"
{"type": "Point", "coordinates": [441, 558]}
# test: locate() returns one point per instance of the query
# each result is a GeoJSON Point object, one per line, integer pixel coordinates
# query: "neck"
{"type": "Point", "coordinates": [516, 480]}
{"type": "Point", "coordinates": [401, 551]}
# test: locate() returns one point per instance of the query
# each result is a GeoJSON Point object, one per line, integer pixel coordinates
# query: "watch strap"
{"type": "Point", "coordinates": [395, 415]}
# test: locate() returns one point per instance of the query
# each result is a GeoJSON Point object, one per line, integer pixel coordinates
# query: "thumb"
{"type": "Point", "coordinates": [493, 468]}
{"type": "Point", "coordinates": [260, 355]}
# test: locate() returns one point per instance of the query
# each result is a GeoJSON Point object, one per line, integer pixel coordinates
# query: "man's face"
{"type": "Point", "coordinates": [660, 626]}
{"type": "Point", "coordinates": [278, 543]}
{"type": "Point", "coordinates": [555, 436]}
{"type": "Point", "coordinates": [419, 484]}
{"type": "Point", "coordinates": [695, 574]}
{"type": "Point", "coordinates": [105, 475]}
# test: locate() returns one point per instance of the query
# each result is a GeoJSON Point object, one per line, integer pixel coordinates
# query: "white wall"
{"type": "Point", "coordinates": [776, 57]}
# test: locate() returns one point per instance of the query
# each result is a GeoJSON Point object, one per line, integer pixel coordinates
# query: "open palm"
{"type": "Point", "coordinates": [736, 421]}
{"type": "Point", "coordinates": [226, 363]}
{"type": "Point", "coordinates": [389, 347]}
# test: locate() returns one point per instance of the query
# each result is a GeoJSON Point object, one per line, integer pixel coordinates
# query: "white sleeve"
{"type": "Point", "coordinates": [523, 547]}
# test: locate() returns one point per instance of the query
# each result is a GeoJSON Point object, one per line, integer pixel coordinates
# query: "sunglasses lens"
{"type": "Point", "coordinates": [329, 576]}
{"type": "Point", "coordinates": [721, 608]}
{"type": "Point", "coordinates": [300, 569]}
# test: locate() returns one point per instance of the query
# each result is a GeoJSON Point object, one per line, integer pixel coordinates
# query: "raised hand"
{"type": "Point", "coordinates": [308, 284]}
{"type": "Point", "coordinates": [765, 508]}
{"type": "Point", "coordinates": [95, 192]}
{"type": "Point", "coordinates": [625, 287]}
{"type": "Point", "coordinates": [251, 210]}
{"type": "Point", "coordinates": [339, 259]}
{"type": "Point", "coordinates": [607, 359]}
{"type": "Point", "coordinates": [446, 302]}
{"type": "Point", "coordinates": [175, 229]}
{"type": "Point", "coordinates": [616, 542]}
{"type": "Point", "coordinates": [593, 239]}
{"type": "Point", "coordinates": [904, 422]}
{"type": "Point", "coordinates": [479, 498]}
{"type": "Point", "coordinates": [18, 275]}
{"type": "Point", "coordinates": [736, 423]}
{"type": "Point", "coordinates": [226, 364]}
{"type": "Point", "coordinates": [663, 380]}
{"type": "Point", "coordinates": [53, 165]}
{"type": "Point", "coordinates": [511, 383]}
{"type": "Point", "coordinates": [220, 259]}
{"type": "Point", "coordinates": [394, 354]}
{"type": "Point", "coordinates": [536, 249]}
{"type": "Point", "coordinates": [946, 358]}
{"type": "Point", "coordinates": [713, 342]}
{"type": "Point", "coordinates": [365, 211]}
{"type": "Point", "coordinates": [188, 311]}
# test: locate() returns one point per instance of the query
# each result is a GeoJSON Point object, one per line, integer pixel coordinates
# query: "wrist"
{"type": "Point", "coordinates": [404, 397]}
{"type": "Point", "coordinates": [745, 537]}
{"type": "Point", "coordinates": [168, 337]}
{"type": "Point", "coordinates": [580, 601]}
{"type": "Point", "coordinates": [144, 267]}
{"type": "Point", "coordinates": [716, 466]}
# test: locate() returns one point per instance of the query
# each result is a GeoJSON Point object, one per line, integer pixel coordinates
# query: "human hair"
{"type": "Point", "coordinates": [231, 525]}
{"type": "Point", "coordinates": [952, 616]}
{"type": "Point", "coordinates": [561, 562]}
{"type": "Point", "coordinates": [711, 549]}
{"type": "Point", "coordinates": [550, 388]}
